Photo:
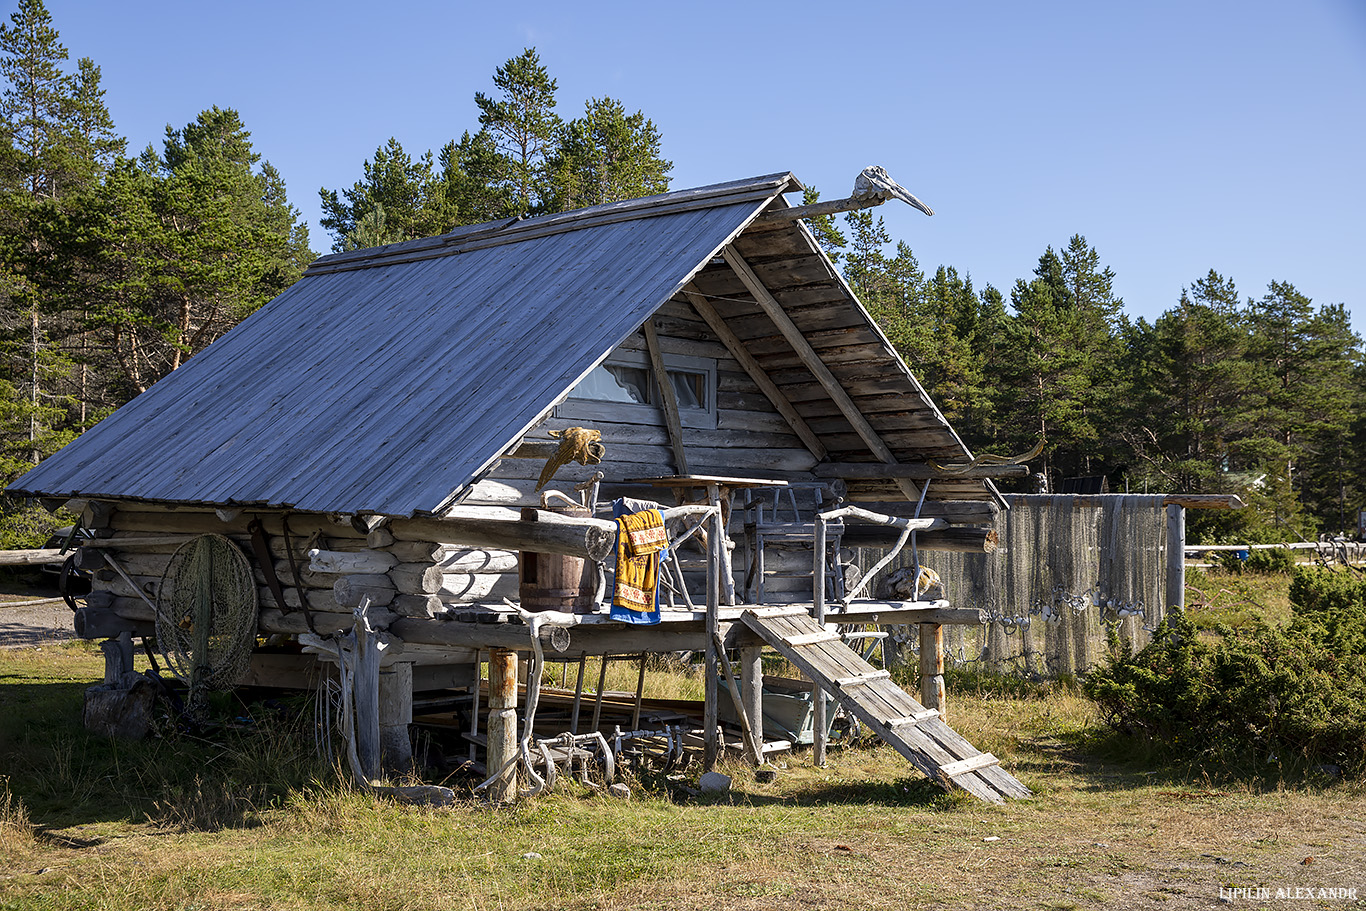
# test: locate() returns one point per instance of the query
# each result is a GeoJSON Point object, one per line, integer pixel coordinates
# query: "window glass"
{"type": "Point", "coordinates": [690, 388]}
{"type": "Point", "coordinates": [616, 383]}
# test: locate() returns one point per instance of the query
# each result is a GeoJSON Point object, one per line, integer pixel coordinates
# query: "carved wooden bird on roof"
{"type": "Point", "coordinates": [874, 182]}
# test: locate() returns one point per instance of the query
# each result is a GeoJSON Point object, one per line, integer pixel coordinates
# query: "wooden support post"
{"type": "Point", "coordinates": [1176, 556]}
{"type": "Point", "coordinates": [932, 667]}
{"type": "Point", "coordinates": [365, 693]}
{"type": "Point", "coordinates": [640, 692]}
{"type": "Point", "coordinates": [578, 696]}
{"type": "Point", "coordinates": [118, 657]}
{"type": "Point", "coordinates": [395, 715]}
{"type": "Point", "coordinates": [475, 690]}
{"type": "Point", "coordinates": [602, 685]}
{"type": "Point", "coordinates": [711, 747]}
{"type": "Point", "coordinates": [819, 724]}
{"type": "Point", "coordinates": [502, 723]}
{"type": "Point", "coordinates": [752, 691]}
{"type": "Point", "coordinates": [727, 580]}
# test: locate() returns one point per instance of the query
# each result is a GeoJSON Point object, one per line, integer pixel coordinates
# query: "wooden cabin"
{"type": "Point", "coordinates": [385, 420]}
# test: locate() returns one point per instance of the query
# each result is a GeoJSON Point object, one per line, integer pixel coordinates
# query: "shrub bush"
{"type": "Point", "coordinates": [1293, 695]}
{"type": "Point", "coordinates": [1273, 560]}
{"type": "Point", "coordinates": [24, 526]}
{"type": "Point", "coordinates": [1267, 561]}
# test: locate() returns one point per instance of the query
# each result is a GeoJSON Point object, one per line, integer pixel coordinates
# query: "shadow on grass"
{"type": "Point", "coordinates": [1107, 760]}
{"type": "Point", "coordinates": [909, 793]}
{"type": "Point", "coordinates": [67, 776]}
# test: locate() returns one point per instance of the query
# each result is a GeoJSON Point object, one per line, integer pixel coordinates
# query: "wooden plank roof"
{"type": "Point", "coordinates": [386, 380]}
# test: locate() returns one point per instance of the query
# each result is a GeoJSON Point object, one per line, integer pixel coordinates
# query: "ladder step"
{"type": "Point", "coordinates": [812, 639]}
{"type": "Point", "coordinates": [913, 719]}
{"type": "Point", "coordinates": [971, 764]}
{"type": "Point", "coordinates": [862, 679]}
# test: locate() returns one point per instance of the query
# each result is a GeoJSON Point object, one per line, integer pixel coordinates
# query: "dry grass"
{"type": "Point", "coordinates": [213, 824]}
{"type": "Point", "coordinates": [16, 829]}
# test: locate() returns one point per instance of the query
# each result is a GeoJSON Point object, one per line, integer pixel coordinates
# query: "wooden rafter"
{"type": "Point", "coordinates": [812, 362]}
{"type": "Point", "coordinates": [667, 396]}
{"type": "Point", "coordinates": [756, 371]}
{"type": "Point", "coordinates": [851, 471]}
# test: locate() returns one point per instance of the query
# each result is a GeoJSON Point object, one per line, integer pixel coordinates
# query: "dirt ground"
{"type": "Point", "coordinates": [33, 618]}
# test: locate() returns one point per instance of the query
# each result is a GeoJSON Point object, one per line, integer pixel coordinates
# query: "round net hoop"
{"type": "Point", "coordinates": [207, 613]}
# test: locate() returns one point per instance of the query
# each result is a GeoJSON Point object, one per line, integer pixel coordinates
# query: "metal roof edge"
{"type": "Point", "coordinates": [473, 237]}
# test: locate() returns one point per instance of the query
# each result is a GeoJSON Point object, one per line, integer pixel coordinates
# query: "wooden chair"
{"type": "Point", "coordinates": [784, 517]}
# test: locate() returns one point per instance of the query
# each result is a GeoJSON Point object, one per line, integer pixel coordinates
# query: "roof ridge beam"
{"type": "Point", "coordinates": [512, 230]}
{"type": "Point", "coordinates": [812, 361]}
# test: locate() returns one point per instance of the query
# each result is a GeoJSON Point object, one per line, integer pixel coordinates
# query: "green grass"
{"type": "Point", "coordinates": [245, 818]}
{"type": "Point", "coordinates": [1237, 600]}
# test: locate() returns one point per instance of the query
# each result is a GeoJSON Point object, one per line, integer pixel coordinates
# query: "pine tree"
{"type": "Point", "coordinates": [522, 123]}
{"type": "Point", "coordinates": [1061, 348]}
{"type": "Point", "coordinates": [187, 243]}
{"type": "Point", "coordinates": [828, 235]}
{"type": "Point", "coordinates": [474, 177]}
{"type": "Point", "coordinates": [408, 191]}
{"type": "Point", "coordinates": [865, 263]}
{"type": "Point", "coordinates": [1306, 360]}
{"type": "Point", "coordinates": [61, 142]}
{"type": "Point", "coordinates": [604, 156]}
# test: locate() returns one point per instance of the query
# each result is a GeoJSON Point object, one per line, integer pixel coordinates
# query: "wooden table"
{"type": "Point", "coordinates": [718, 490]}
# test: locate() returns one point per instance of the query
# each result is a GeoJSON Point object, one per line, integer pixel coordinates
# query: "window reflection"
{"type": "Point", "coordinates": [616, 383]}
{"type": "Point", "coordinates": [635, 384]}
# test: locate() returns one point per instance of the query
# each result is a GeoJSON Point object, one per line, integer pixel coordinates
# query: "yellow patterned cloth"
{"type": "Point", "coordinates": [640, 538]}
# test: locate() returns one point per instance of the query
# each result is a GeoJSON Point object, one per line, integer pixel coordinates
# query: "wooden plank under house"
{"type": "Point", "coordinates": [377, 434]}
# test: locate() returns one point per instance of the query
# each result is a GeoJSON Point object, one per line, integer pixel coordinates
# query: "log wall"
{"type": "Point", "coordinates": [750, 437]}
{"type": "Point", "coordinates": [337, 565]}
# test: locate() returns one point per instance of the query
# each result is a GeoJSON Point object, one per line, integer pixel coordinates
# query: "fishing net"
{"type": "Point", "coordinates": [1062, 577]}
{"type": "Point", "coordinates": [206, 614]}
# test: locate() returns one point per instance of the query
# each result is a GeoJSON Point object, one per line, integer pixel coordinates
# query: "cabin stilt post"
{"type": "Point", "coordinates": [711, 748]}
{"type": "Point", "coordinates": [118, 657]}
{"type": "Point", "coordinates": [502, 724]}
{"type": "Point", "coordinates": [932, 667]}
{"type": "Point", "coordinates": [752, 692]}
{"type": "Point", "coordinates": [819, 724]}
{"type": "Point", "coordinates": [395, 715]}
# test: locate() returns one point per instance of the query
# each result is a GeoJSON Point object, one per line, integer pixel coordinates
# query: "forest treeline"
{"type": "Point", "coordinates": [117, 268]}
{"type": "Point", "coordinates": [1261, 396]}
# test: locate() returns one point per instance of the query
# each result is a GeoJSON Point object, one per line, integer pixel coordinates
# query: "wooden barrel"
{"type": "Point", "coordinates": [555, 581]}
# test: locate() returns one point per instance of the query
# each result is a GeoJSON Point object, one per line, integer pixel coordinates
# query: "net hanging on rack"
{"type": "Point", "coordinates": [1061, 576]}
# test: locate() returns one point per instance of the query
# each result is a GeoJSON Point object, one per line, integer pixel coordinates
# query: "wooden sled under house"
{"type": "Point", "coordinates": [348, 485]}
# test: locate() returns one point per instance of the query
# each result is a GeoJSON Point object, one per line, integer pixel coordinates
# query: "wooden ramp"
{"type": "Point", "coordinates": [914, 731]}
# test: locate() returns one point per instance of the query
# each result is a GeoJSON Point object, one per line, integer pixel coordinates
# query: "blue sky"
{"type": "Point", "coordinates": [1176, 136]}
